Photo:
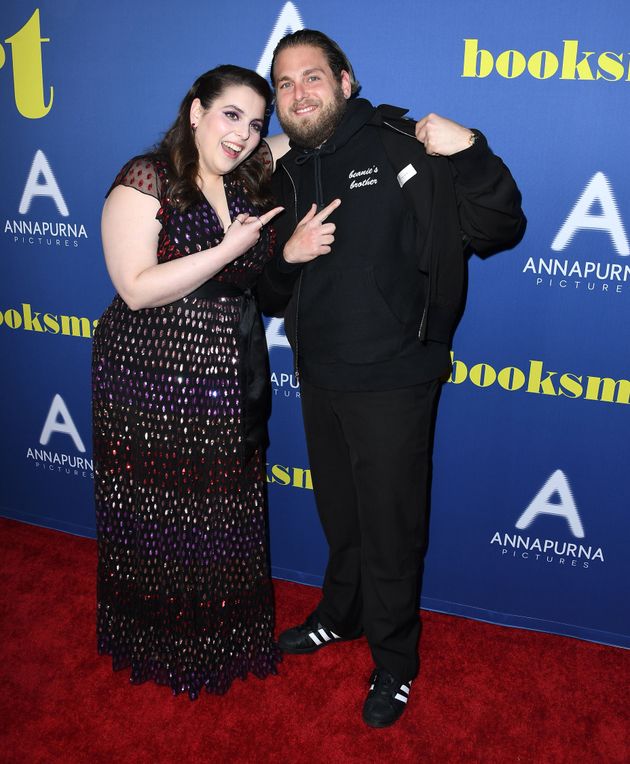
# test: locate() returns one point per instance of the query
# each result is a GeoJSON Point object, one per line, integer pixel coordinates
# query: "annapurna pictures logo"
{"type": "Point", "coordinates": [596, 209]}
{"type": "Point", "coordinates": [59, 422]}
{"type": "Point", "coordinates": [555, 498]}
{"type": "Point", "coordinates": [41, 182]}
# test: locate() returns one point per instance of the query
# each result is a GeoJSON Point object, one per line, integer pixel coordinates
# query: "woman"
{"type": "Point", "coordinates": [179, 399]}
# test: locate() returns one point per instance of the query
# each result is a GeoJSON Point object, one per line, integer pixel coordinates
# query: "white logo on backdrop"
{"type": "Point", "coordinates": [49, 187]}
{"type": "Point", "coordinates": [288, 21]}
{"type": "Point", "coordinates": [276, 338]}
{"type": "Point", "coordinates": [59, 420]}
{"type": "Point", "coordinates": [283, 382]}
{"type": "Point", "coordinates": [41, 182]}
{"type": "Point", "coordinates": [595, 210]}
{"type": "Point", "coordinates": [555, 498]}
{"type": "Point", "coordinates": [598, 191]}
{"type": "Point", "coordinates": [542, 504]}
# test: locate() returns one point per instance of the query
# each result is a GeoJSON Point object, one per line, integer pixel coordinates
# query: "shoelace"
{"type": "Point", "coordinates": [383, 683]}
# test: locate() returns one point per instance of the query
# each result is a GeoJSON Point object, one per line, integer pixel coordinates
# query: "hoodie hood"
{"type": "Point", "coordinates": [358, 112]}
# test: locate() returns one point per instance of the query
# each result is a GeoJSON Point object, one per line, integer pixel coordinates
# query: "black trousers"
{"type": "Point", "coordinates": [370, 456]}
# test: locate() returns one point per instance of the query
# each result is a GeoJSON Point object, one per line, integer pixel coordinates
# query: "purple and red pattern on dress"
{"type": "Point", "coordinates": [184, 595]}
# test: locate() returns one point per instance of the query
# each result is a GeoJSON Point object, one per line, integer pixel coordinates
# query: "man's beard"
{"type": "Point", "coordinates": [311, 134]}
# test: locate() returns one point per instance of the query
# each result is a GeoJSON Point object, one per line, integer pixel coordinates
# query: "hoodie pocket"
{"type": "Point", "coordinates": [365, 328]}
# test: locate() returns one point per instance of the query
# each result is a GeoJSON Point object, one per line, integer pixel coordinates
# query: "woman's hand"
{"type": "Point", "coordinates": [130, 234]}
{"type": "Point", "coordinates": [244, 232]}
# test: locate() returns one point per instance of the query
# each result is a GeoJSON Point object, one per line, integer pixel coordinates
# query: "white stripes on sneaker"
{"type": "Point", "coordinates": [402, 694]}
{"type": "Point", "coordinates": [322, 635]}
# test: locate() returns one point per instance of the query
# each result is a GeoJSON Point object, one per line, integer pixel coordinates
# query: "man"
{"type": "Point", "coordinates": [372, 285]}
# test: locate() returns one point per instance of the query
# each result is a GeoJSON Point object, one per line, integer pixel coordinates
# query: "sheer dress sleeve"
{"type": "Point", "coordinates": [143, 174]}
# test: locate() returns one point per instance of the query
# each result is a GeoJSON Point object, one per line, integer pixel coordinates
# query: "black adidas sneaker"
{"type": "Point", "coordinates": [308, 637]}
{"type": "Point", "coordinates": [386, 700]}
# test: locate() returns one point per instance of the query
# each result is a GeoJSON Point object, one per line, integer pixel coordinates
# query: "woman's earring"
{"type": "Point", "coordinates": [194, 127]}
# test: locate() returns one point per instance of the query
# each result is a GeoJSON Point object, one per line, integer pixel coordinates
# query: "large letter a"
{"type": "Point", "coordinates": [597, 191]}
{"type": "Point", "coordinates": [288, 21]}
{"type": "Point", "coordinates": [541, 505]}
{"type": "Point", "coordinates": [59, 420]}
{"type": "Point", "coordinates": [49, 187]}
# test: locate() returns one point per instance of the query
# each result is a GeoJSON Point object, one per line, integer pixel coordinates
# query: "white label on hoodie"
{"type": "Point", "coordinates": [406, 174]}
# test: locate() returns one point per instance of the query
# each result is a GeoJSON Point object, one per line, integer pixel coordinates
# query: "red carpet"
{"type": "Point", "coordinates": [486, 694]}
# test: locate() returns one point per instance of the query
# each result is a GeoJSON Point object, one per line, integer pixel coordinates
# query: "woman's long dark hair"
{"type": "Point", "coordinates": [179, 149]}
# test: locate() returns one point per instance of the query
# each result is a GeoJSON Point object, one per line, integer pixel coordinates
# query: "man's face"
{"type": "Point", "coordinates": [309, 100]}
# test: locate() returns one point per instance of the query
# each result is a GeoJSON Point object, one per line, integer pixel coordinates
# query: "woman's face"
{"type": "Point", "coordinates": [228, 131]}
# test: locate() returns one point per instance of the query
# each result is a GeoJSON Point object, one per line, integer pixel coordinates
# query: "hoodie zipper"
{"type": "Point", "coordinates": [319, 191]}
{"type": "Point", "coordinates": [422, 329]}
{"type": "Point", "coordinates": [319, 201]}
{"type": "Point", "coordinates": [396, 129]}
{"type": "Point", "coordinates": [296, 367]}
{"type": "Point", "coordinates": [294, 192]}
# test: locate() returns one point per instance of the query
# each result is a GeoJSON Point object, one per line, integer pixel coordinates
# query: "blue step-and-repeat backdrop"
{"type": "Point", "coordinates": [531, 489]}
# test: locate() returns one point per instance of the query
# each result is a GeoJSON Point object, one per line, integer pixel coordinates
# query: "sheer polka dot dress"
{"type": "Point", "coordinates": [183, 590]}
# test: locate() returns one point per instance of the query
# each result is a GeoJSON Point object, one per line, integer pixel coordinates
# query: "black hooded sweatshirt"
{"type": "Point", "coordinates": [360, 317]}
